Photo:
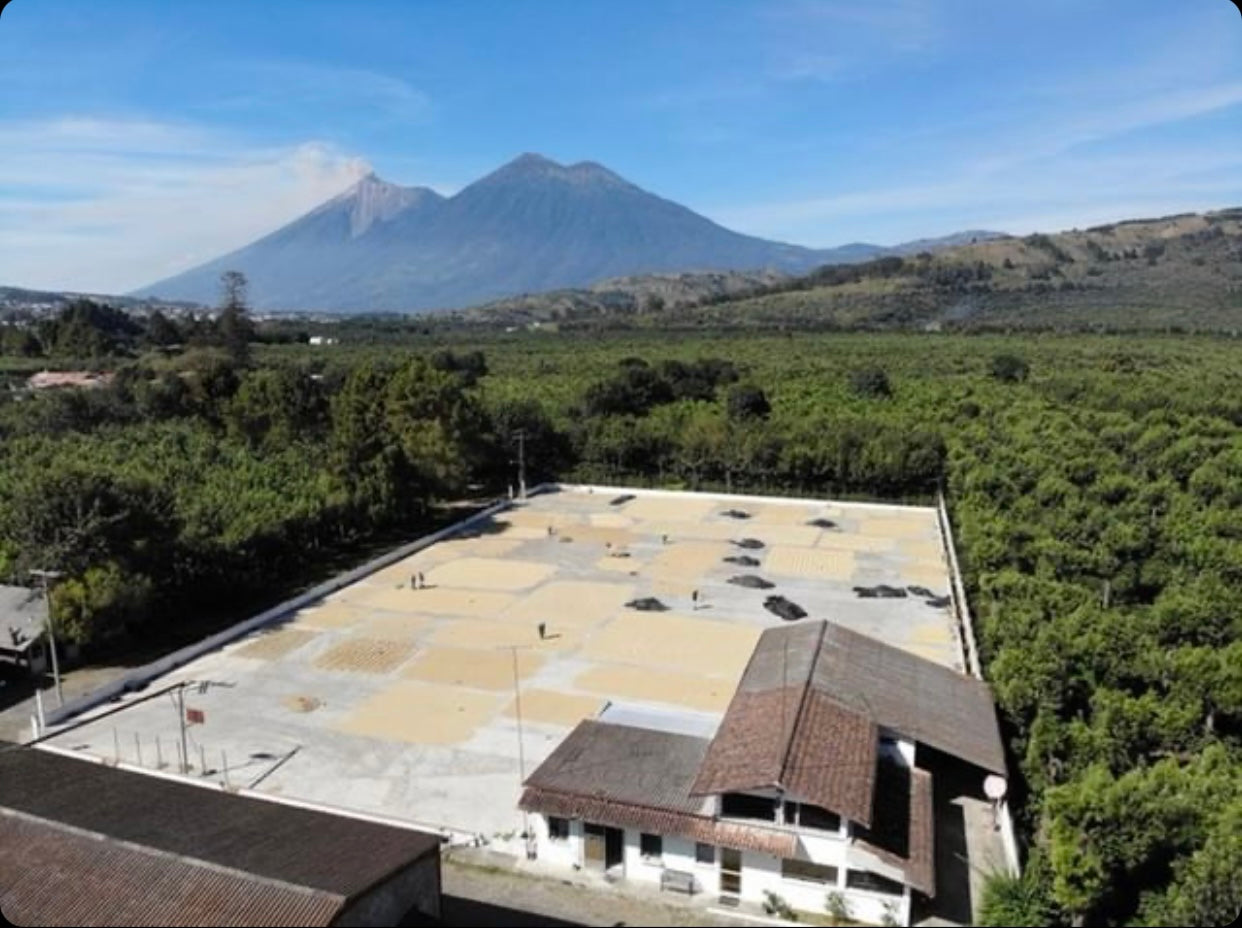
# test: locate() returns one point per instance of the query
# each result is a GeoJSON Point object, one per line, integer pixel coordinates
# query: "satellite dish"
{"type": "Point", "coordinates": [994, 787]}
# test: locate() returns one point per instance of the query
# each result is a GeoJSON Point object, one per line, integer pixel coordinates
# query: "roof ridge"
{"type": "Point", "coordinates": [788, 735]}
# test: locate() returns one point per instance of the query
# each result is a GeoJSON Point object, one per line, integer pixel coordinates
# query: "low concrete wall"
{"type": "Point", "coordinates": [141, 676]}
{"type": "Point", "coordinates": [724, 497]}
{"type": "Point", "coordinates": [966, 628]}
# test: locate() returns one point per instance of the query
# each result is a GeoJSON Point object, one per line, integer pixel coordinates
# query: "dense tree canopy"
{"type": "Point", "coordinates": [1097, 500]}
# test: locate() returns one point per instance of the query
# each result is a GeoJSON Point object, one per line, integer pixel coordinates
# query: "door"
{"type": "Point", "coordinates": [594, 844]}
{"type": "Point", "coordinates": [614, 843]}
{"type": "Point", "coordinates": [730, 872]}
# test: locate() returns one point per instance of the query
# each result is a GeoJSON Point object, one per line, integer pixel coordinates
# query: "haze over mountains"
{"type": "Point", "coordinates": [530, 226]}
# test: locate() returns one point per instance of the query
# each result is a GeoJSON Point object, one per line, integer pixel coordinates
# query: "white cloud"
{"type": "Point", "coordinates": [110, 205]}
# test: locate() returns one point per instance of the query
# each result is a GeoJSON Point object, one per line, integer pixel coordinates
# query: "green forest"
{"type": "Point", "coordinates": [1095, 484]}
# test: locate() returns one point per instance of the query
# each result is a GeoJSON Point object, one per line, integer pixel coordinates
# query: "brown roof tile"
{"type": "Point", "coordinates": [833, 761]}
{"type": "Point", "coordinates": [660, 821]}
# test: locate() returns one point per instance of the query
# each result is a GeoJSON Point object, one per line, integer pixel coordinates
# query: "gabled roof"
{"type": "Point", "coordinates": [917, 698]}
{"type": "Point", "coordinates": [640, 778]}
{"type": "Point", "coordinates": [322, 851]}
{"type": "Point", "coordinates": [806, 715]}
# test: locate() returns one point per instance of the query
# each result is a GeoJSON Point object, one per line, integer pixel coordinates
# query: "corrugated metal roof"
{"type": "Point", "coordinates": [57, 876]}
{"type": "Point", "coordinates": [915, 697]}
{"type": "Point", "coordinates": [319, 850]}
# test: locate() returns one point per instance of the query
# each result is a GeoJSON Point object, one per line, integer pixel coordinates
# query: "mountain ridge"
{"type": "Point", "coordinates": [530, 225]}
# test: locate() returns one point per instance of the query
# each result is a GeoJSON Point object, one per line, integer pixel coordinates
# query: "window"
{"type": "Point", "coordinates": [558, 828]}
{"type": "Point", "coordinates": [863, 879]}
{"type": "Point", "coordinates": [651, 846]}
{"type": "Point", "coordinates": [808, 816]}
{"type": "Point", "coordinates": [704, 853]}
{"type": "Point", "coordinates": [740, 805]}
{"type": "Point", "coordinates": [805, 870]}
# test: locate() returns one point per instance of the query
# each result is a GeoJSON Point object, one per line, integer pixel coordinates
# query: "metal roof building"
{"type": "Point", "coordinates": [83, 843]}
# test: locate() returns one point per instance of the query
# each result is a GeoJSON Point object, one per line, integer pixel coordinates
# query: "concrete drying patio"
{"type": "Point", "coordinates": [403, 701]}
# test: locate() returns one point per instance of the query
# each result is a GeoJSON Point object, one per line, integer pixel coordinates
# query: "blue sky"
{"type": "Point", "coordinates": [140, 138]}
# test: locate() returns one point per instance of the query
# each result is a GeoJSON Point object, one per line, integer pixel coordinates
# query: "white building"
{"type": "Point", "coordinates": [813, 784]}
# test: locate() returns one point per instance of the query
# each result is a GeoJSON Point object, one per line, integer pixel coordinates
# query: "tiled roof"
{"type": "Point", "coordinates": [637, 778]}
{"type": "Point", "coordinates": [806, 714]}
{"type": "Point", "coordinates": [623, 763]}
{"type": "Point", "coordinates": [336, 854]}
{"type": "Point", "coordinates": [833, 763]}
{"type": "Point", "coordinates": [59, 876]}
{"type": "Point", "coordinates": [659, 821]}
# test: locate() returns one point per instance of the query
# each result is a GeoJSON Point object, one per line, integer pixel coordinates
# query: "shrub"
{"type": "Point", "coordinates": [871, 382]}
{"type": "Point", "coordinates": [1009, 368]}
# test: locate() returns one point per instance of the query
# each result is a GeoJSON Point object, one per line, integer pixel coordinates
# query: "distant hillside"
{"type": "Point", "coordinates": [531, 226]}
{"type": "Point", "coordinates": [16, 301]}
{"type": "Point", "coordinates": [1180, 272]}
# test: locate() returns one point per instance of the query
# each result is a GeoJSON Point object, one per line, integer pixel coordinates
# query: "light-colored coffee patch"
{"type": "Point", "coordinates": [619, 565]}
{"type": "Point", "coordinates": [849, 541]}
{"type": "Point", "coordinates": [811, 563]}
{"type": "Point", "coordinates": [791, 513]}
{"type": "Point", "coordinates": [403, 627]}
{"type": "Point", "coordinates": [932, 577]}
{"type": "Point", "coordinates": [553, 708]}
{"type": "Point", "coordinates": [270, 644]}
{"type": "Point", "coordinates": [921, 550]}
{"type": "Point", "coordinates": [689, 691]}
{"type": "Point", "coordinates": [572, 603]}
{"type": "Point", "coordinates": [423, 713]}
{"type": "Point", "coordinates": [914, 525]}
{"type": "Point", "coordinates": [674, 508]}
{"type": "Point", "coordinates": [680, 642]}
{"type": "Point", "coordinates": [691, 531]}
{"type": "Point", "coordinates": [482, 634]}
{"type": "Point", "coordinates": [800, 535]}
{"type": "Point", "coordinates": [691, 559]}
{"type": "Point", "coordinates": [541, 519]}
{"type": "Point", "coordinates": [596, 535]}
{"type": "Point", "coordinates": [491, 669]}
{"type": "Point", "coordinates": [441, 601]}
{"type": "Point", "coordinates": [331, 615]}
{"type": "Point", "coordinates": [365, 655]}
{"type": "Point", "coordinates": [610, 520]}
{"type": "Point", "coordinates": [489, 573]}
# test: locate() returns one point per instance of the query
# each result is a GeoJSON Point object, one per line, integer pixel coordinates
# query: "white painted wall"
{"type": "Point", "coordinates": [563, 853]}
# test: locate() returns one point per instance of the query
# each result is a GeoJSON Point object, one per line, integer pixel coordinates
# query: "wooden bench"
{"type": "Point", "coordinates": [681, 881]}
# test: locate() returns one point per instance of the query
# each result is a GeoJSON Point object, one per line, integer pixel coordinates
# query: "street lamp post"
{"type": "Point", "coordinates": [49, 624]}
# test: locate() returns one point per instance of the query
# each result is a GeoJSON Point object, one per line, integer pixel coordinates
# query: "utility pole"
{"type": "Point", "coordinates": [520, 435]}
{"type": "Point", "coordinates": [45, 576]}
{"type": "Point", "coordinates": [185, 757]}
{"type": "Point", "coordinates": [517, 711]}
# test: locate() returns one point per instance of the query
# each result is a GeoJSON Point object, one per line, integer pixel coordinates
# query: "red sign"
{"type": "Point", "coordinates": [195, 716]}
